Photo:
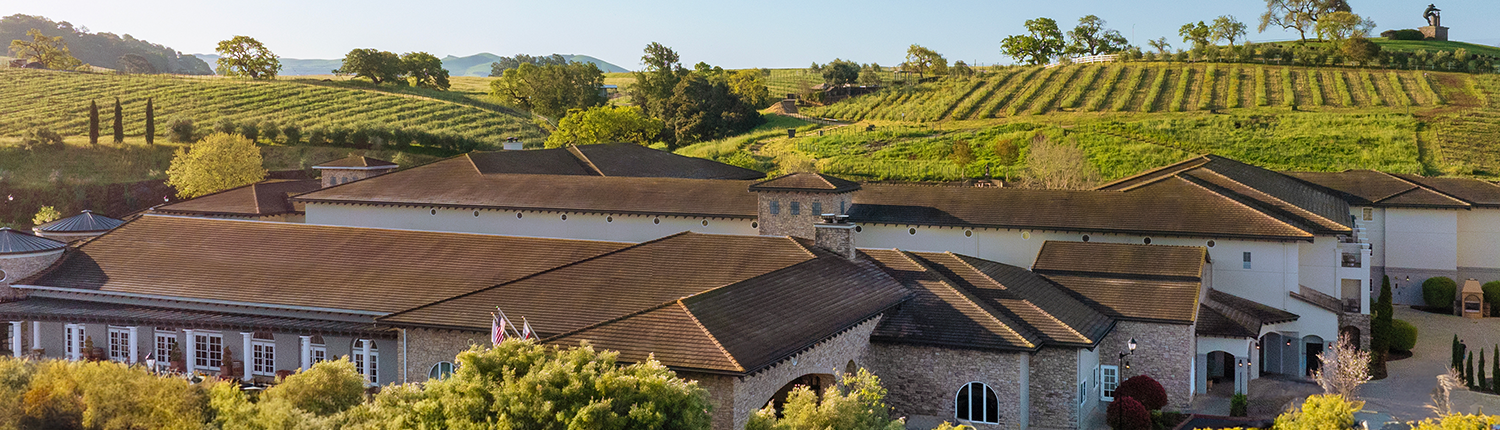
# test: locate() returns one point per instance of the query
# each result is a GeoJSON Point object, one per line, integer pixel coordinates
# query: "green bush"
{"type": "Point", "coordinates": [1320, 412]}
{"type": "Point", "coordinates": [1403, 335]}
{"type": "Point", "coordinates": [1404, 34]}
{"type": "Point", "coordinates": [1439, 292]}
{"type": "Point", "coordinates": [1239, 405]}
{"type": "Point", "coordinates": [328, 388]}
{"type": "Point", "coordinates": [1492, 296]}
{"type": "Point", "coordinates": [42, 138]}
{"type": "Point", "coordinates": [180, 130]}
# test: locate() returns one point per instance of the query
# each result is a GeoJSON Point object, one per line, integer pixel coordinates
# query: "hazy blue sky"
{"type": "Point", "coordinates": [733, 34]}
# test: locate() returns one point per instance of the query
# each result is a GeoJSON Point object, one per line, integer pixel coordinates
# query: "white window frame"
{"type": "Point", "coordinates": [206, 356]}
{"type": "Point", "coordinates": [1367, 214]}
{"type": "Point", "coordinates": [1247, 260]}
{"type": "Point", "coordinates": [357, 356]}
{"type": "Point", "coordinates": [1109, 380]}
{"type": "Point", "coordinates": [71, 332]}
{"type": "Point", "coordinates": [437, 374]}
{"type": "Point", "coordinates": [983, 403]}
{"type": "Point", "coordinates": [119, 344]}
{"type": "Point", "coordinates": [263, 357]}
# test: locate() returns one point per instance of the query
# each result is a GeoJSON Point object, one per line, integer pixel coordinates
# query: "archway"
{"type": "Point", "coordinates": [1221, 368]}
{"type": "Point", "coordinates": [1314, 354]}
{"type": "Point", "coordinates": [1353, 333]}
{"type": "Point", "coordinates": [816, 382]}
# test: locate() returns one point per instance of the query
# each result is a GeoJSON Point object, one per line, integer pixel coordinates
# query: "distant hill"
{"type": "Point", "coordinates": [102, 49]}
{"type": "Point", "coordinates": [291, 66]}
{"type": "Point", "coordinates": [479, 64]}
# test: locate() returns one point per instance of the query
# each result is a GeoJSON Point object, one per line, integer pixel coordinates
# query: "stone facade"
{"type": "Point", "coordinates": [923, 380]}
{"type": "Point", "coordinates": [838, 238]}
{"type": "Point", "coordinates": [1165, 352]}
{"type": "Point", "coordinates": [1361, 322]}
{"type": "Point", "coordinates": [720, 396]}
{"type": "Point", "coordinates": [1408, 292]}
{"type": "Point", "coordinates": [17, 267]}
{"type": "Point", "coordinates": [335, 176]}
{"type": "Point", "coordinates": [808, 208]}
{"type": "Point", "coordinates": [426, 348]}
{"type": "Point", "coordinates": [829, 357]}
{"type": "Point", "coordinates": [1054, 388]}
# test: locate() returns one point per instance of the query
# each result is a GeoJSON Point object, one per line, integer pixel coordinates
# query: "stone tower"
{"type": "Point", "coordinates": [352, 169]}
{"type": "Point", "coordinates": [791, 205]}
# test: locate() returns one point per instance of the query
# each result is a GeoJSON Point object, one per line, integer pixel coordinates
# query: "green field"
{"type": "Point", "coordinates": [60, 100]}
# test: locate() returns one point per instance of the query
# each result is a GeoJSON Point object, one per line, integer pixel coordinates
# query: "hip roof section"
{"type": "Point", "coordinates": [266, 198]}
{"type": "Point", "coordinates": [1369, 187]}
{"type": "Point", "coordinates": [611, 159]}
{"type": "Point", "coordinates": [1153, 283]}
{"type": "Point", "coordinates": [18, 242]}
{"type": "Point", "coordinates": [85, 222]}
{"type": "Point", "coordinates": [1314, 207]}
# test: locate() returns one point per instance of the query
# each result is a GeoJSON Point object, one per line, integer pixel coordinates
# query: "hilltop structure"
{"type": "Point", "coordinates": [996, 307]}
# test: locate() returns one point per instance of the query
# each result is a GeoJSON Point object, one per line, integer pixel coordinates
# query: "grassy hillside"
{"type": "Point", "coordinates": [60, 100]}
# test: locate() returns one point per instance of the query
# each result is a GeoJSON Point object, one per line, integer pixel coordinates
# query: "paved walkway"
{"type": "Point", "coordinates": [1406, 392]}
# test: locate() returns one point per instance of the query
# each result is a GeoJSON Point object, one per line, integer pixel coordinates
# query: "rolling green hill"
{"type": "Point", "coordinates": [102, 49]}
{"type": "Point", "coordinates": [60, 100]}
{"type": "Point", "coordinates": [479, 64]}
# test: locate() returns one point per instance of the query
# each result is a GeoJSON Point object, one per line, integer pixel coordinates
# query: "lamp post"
{"type": "Point", "coordinates": [151, 363]}
{"type": "Point", "coordinates": [1125, 356]}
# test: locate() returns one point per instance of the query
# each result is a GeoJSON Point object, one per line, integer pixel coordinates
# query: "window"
{"type": "Point", "coordinates": [1109, 379]}
{"type": "Point", "coordinates": [1247, 259]}
{"type": "Point", "coordinates": [359, 360]}
{"type": "Point", "coordinates": [119, 344]}
{"type": "Point", "coordinates": [166, 341]}
{"type": "Point", "coordinates": [440, 371]}
{"type": "Point", "coordinates": [1083, 392]}
{"type": "Point", "coordinates": [796, 208]}
{"type": "Point", "coordinates": [317, 351]}
{"type": "Point", "coordinates": [208, 350]}
{"type": "Point", "coordinates": [817, 208]}
{"type": "Point", "coordinates": [842, 209]}
{"type": "Point", "coordinates": [976, 402]}
{"type": "Point", "coordinates": [264, 358]}
{"type": "Point", "coordinates": [775, 207]}
{"type": "Point", "coordinates": [74, 338]}
{"type": "Point", "coordinates": [1368, 214]}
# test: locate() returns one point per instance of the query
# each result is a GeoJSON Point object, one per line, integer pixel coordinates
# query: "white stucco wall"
{"type": "Point", "coordinates": [1479, 238]}
{"type": "Point", "coordinates": [1318, 264]}
{"type": "Point", "coordinates": [1374, 232]}
{"type": "Point", "coordinates": [1088, 364]}
{"type": "Point", "coordinates": [1421, 239]}
{"type": "Point", "coordinates": [591, 226]}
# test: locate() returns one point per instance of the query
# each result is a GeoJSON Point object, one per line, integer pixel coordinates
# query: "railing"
{"type": "Point", "coordinates": [1350, 259]}
{"type": "Point", "coordinates": [1351, 304]}
{"type": "Point", "coordinates": [1104, 58]}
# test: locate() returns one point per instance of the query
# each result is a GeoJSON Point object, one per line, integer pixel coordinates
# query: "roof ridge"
{"type": "Point", "coordinates": [1179, 164]}
{"type": "Point", "coordinates": [1294, 211]}
{"type": "Point", "coordinates": [1237, 201]}
{"type": "Point", "coordinates": [1022, 297]}
{"type": "Point", "coordinates": [1434, 189]}
{"type": "Point", "coordinates": [537, 273]}
{"type": "Point", "coordinates": [968, 297]}
{"type": "Point", "coordinates": [584, 159]}
{"type": "Point", "coordinates": [710, 334]}
{"type": "Point", "coordinates": [1430, 190]}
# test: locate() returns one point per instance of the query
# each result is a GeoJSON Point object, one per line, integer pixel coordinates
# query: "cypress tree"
{"type": "Point", "coordinates": [93, 122]}
{"type": "Point", "coordinates": [1454, 357]}
{"type": "Point", "coordinates": [1495, 372]}
{"type": "Point", "coordinates": [150, 123]}
{"type": "Point", "coordinates": [1479, 376]}
{"type": "Point", "coordinates": [1469, 371]}
{"type": "Point", "coordinates": [119, 123]}
{"type": "Point", "coordinates": [1380, 328]}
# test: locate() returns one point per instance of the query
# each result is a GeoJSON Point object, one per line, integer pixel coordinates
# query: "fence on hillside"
{"type": "Point", "coordinates": [1105, 58]}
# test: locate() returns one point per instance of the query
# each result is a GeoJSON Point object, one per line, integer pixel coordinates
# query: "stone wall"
{"type": "Point", "coordinates": [923, 380]}
{"type": "Point", "coordinates": [426, 348]}
{"type": "Point", "coordinates": [18, 267]}
{"type": "Point", "coordinates": [1165, 352]}
{"type": "Point", "coordinates": [1359, 321]}
{"type": "Point", "coordinates": [829, 357]}
{"type": "Point", "coordinates": [784, 223]}
{"type": "Point", "coordinates": [333, 177]}
{"type": "Point", "coordinates": [720, 396]}
{"type": "Point", "coordinates": [1054, 388]}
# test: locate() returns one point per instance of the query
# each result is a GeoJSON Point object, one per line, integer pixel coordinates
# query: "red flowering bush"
{"type": "Point", "coordinates": [1144, 390]}
{"type": "Point", "coordinates": [1125, 413]}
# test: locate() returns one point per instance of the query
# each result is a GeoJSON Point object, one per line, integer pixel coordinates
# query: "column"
{"type": "Point", "coordinates": [364, 347]}
{"type": "Point", "coordinates": [306, 346]}
{"type": "Point", "coordinates": [189, 350]}
{"type": "Point", "coordinates": [78, 333]}
{"type": "Point", "coordinates": [249, 356]}
{"type": "Point", "coordinates": [135, 335]}
{"type": "Point", "coordinates": [36, 334]}
{"type": "Point", "coordinates": [15, 338]}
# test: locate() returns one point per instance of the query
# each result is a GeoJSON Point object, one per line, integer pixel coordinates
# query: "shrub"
{"type": "Point", "coordinates": [1144, 390]}
{"type": "Point", "coordinates": [1320, 412]}
{"type": "Point", "coordinates": [45, 215]}
{"type": "Point", "coordinates": [270, 131]}
{"type": "Point", "coordinates": [1439, 292]}
{"type": "Point", "coordinates": [250, 131]}
{"type": "Point", "coordinates": [328, 388]}
{"type": "Point", "coordinates": [318, 137]}
{"type": "Point", "coordinates": [1239, 405]}
{"type": "Point", "coordinates": [1125, 413]}
{"type": "Point", "coordinates": [1403, 34]}
{"type": "Point", "coordinates": [1403, 335]}
{"type": "Point", "coordinates": [1492, 296]}
{"type": "Point", "coordinates": [180, 130]}
{"type": "Point", "coordinates": [218, 162]}
{"type": "Point", "coordinates": [225, 126]}
{"type": "Point", "coordinates": [41, 138]}
{"type": "Point", "coordinates": [292, 133]}
{"type": "Point", "coordinates": [100, 395]}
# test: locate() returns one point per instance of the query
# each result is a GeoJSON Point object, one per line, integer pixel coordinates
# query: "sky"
{"type": "Point", "coordinates": [728, 33]}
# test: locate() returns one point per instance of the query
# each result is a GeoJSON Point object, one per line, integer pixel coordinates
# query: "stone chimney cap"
{"type": "Point", "coordinates": [835, 219]}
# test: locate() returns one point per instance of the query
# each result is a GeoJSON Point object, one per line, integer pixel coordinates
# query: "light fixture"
{"type": "Point", "coordinates": [1124, 356]}
{"type": "Point", "coordinates": [151, 363]}
{"type": "Point", "coordinates": [1131, 344]}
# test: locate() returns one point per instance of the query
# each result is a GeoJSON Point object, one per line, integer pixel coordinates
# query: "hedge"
{"type": "Point", "coordinates": [1403, 335]}
{"type": "Point", "coordinates": [1492, 296]}
{"type": "Point", "coordinates": [1125, 413]}
{"type": "Point", "coordinates": [1439, 292]}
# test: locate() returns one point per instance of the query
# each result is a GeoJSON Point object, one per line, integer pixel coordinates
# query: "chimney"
{"type": "Point", "coordinates": [835, 234]}
{"type": "Point", "coordinates": [513, 144]}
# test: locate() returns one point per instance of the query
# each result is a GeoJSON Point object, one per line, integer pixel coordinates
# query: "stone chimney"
{"type": "Point", "coordinates": [835, 234]}
{"type": "Point", "coordinates": [354, 168]}
{"type": "Point", "coordinates": [791, 205]}
{"type": "Point", "coordinates": [513, 144]}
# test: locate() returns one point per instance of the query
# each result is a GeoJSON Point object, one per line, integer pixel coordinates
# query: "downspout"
{"type": "Point", "coordinates": [404, 359]}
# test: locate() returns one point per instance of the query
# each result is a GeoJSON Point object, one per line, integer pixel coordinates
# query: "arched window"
{"type": "Point", "coordinates": [440, 371]}
{"type": "Point", "coordinates": [358, 357]}
{"type": "Point", "coordinates": [976, 402]}
{"type": "Point", "coordinates": [318, 350]}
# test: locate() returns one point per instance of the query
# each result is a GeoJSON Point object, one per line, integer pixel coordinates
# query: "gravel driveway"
{"type": "Point", "coordinates": [1406, 392]}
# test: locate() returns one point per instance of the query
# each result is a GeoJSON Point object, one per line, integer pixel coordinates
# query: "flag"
{"type": "Point", "coordinates": [497, 329]}
{"type": "Point", "coordinates": [526, 332]}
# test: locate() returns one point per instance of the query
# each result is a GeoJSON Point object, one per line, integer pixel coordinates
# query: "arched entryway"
{"type": "Point", "coordinates": [816, 382]}
{"type": "Point", "coordinates": [1314, 354]}
{"type": "Point", "coordinates": [1353, 333]}
{"type": "Point", "coordinates": [1221, 369]}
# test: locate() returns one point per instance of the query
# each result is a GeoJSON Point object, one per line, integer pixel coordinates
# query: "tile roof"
{"type": "Point", "coordinates": [1174, 206]}
{"type": "Point", "coordinates": [18, 242]}
{"type": "Point", "coordinates": [264, 198]}
{"type": "Point", "coordinates": [347, 268]}
{"type": "Point", "coordinates": [749, 325]}
{"type": "Point", "coordinates": [1256, 311]}
{"type": "Point", "coordinates": [1141, 282]}
{"type": "Point", "coordinates": [966, 302]}
{"type": "Point", "coordinates": [355, 161]}
{"type": "Point", "coordinates": [1369, 187]}
{"type": "Point", "coordinates": [455, 182]}
{"type": "Point", "coordinates": [1216, 324]}
{"type": "Point", "coordinates": [613, 159]}
{"type": "Point", "coordinates": [1225, 315]}
{"type": "Point", "coordinates": [1313, 207]}
{"type": "Point", "coordinates": [85, 222]}
{"type": "Point", "coordinates": [81, 311]}
{"type": "Point", "coordinates": [806, 182]}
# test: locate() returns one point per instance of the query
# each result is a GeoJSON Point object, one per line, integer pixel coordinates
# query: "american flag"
{"type": "Point", "coordinates": [497, 328]}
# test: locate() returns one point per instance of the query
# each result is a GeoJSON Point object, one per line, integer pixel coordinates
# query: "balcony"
{"type": "Point", "coordinates": [1349, 259]}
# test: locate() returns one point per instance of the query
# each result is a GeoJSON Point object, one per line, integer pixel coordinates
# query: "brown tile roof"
{"type": "Point", "coordinates": [85, 222]}
{"type": "Point", "coordinates": [1141, 282]}
{"type": "Point", "coordinates": [1313, 207]}
{"type": "Point", "coordinates": [1101, 258]}
{"type": "Point", "coordinates": [749, 325]}
{"type": "Point", "coordinates": [1216, 324]}
{"type": "Point", "coordinates": [1225, 315]}
{"type": "Point", "coordinates": [356, 161]}
{"type": "Point", "coordinates": [1473, 191]}
{"type": "Point", "coordinates": [613, 159]}
{"type": "Point", "coordinates": [18, 242]}
{"type": "Point", "coordinates": [1255, 311]}
{"type": "Point", "coordinates": [266, 198]}
{"type": "Point", "coordinates": [1369, 187]}
{"type": "Point", "coordinates": [1173, 206]}
{"type": "Point", "coordinates": [806, 182]}
{"type": "Point", "coordinates": [967, 302]}
{"type": "Point", "coordinates": [81, 311]}
{"type": "Point", "coordinates": [1358, 186]}
{"type": "Point", "coordinates": [455, 182]}
{"type": "Point", "coordinates": [362, 269]}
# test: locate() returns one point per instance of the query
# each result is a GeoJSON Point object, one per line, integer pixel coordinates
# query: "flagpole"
{"type": "Point", "coordinates": [504, 321]}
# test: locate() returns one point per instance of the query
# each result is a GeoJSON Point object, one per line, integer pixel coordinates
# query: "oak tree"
{"type": "Point", "coordinates": [922, 60]}
{"type": "Point", "coordinates": [1091, 38]}
{"type": "Point", "coordinates": [606, 124]}
{"type": "Point", "coordinates": [424, 70]}
{"type": "Point", "coordinates": [1299, 15]}
{"type": "Point", "coordinates": [1041, 42]}
{"type": "Point", "coordinates": [218, 162]}
{"type": "Point", "coordinates": [373, 64]}
{"type": "Point", "coordinates": [1225, 27]}
{"type": "Point", "coordinates": [50, 51]}
{"type": "Point", "coordinates": [245, 56]}
{"type": "Point", "coordinates": [750, 85]}
{"type": "Point", "coordinates": [550, 91]}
